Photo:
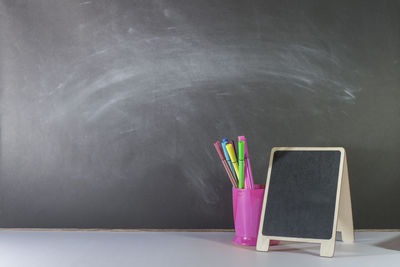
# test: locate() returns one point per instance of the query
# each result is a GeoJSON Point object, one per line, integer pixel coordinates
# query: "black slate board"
{"type": "Point", "coordinates": [302, 194]}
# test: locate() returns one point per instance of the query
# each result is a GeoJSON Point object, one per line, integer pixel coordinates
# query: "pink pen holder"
{"type": "Point", "coordinates": [247, 205]}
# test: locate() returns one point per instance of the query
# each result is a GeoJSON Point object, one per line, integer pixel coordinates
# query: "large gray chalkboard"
{"type": "Point", "coordinates": [109, 108]}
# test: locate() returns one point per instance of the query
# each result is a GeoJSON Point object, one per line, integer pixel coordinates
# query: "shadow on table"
{"type": "Point", "coordinates": [343, 250]}
{"type": "Point", "coordinates": [392, 243]}
{"type": "Point", "coordinates": [226, 239]}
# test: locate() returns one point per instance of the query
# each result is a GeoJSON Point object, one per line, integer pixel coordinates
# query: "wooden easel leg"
{"type": "Point", "coordinates": [262, 243]}
{"type": "Point", "coordinates": [327, 248]}
{"type": "Point", "coordinates": [345, 217]}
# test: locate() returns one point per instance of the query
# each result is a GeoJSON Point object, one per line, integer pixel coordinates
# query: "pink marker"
{"type": "Point", "coordinates": [248, 176]}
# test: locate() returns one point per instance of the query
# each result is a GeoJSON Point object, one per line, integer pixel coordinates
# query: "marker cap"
{"type": "Point", "coordinates": [219, 150]}
{"type": "Point", "coordinates": [241, 150]}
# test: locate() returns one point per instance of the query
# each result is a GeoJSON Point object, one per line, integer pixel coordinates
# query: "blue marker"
{"type": "Point", "coordinates": [228, 159]}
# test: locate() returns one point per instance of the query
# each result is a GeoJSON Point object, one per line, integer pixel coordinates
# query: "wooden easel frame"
{"type": "Point", "coordinates": [343, 219]}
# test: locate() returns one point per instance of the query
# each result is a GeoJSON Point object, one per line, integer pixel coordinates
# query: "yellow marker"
{"type": "Point", "coordinates": [232, 155]}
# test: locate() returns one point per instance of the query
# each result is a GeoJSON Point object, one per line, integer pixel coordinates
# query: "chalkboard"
{"type": "Point", "coordinates": [302, 194]}
{"type": "Point", "coordinates": [108, 109]}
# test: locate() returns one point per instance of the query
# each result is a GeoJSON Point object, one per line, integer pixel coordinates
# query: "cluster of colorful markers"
{"type": "Point", "coordinates": [239, 173]}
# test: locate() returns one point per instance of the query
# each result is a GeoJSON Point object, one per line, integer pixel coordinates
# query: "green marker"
{"type": "Point", "coordinates": [241, 165]}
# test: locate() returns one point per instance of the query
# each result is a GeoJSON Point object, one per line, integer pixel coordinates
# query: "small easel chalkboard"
{"type": "Point", "coordinates": [307, 198]}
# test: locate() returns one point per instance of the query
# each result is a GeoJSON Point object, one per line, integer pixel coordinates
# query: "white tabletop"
{"type": "Point", "coordinates": [74, 248]}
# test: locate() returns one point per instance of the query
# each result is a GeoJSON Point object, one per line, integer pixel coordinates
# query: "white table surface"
{"type": "Point", "coordinates": [75, 248]}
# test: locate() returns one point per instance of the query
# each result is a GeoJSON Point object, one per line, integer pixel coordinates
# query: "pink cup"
{"type": "Point", "coordinates": [247, 205]}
